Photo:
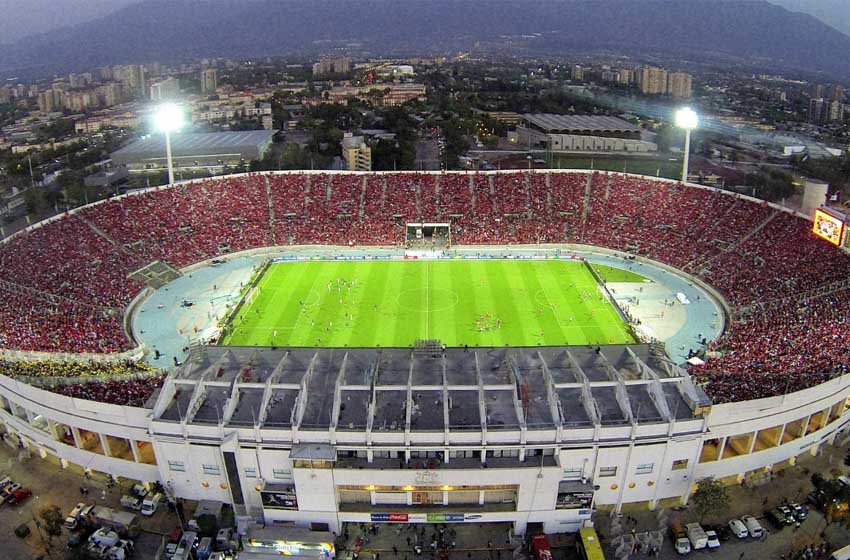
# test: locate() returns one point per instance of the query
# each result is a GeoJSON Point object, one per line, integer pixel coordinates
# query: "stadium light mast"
{"type": "Point", "coordinates": [168, 119]}
{"type": "Point", "coordinates": [687, 120]}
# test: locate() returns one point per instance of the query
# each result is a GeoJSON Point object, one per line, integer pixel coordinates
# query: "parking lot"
{"type": "Point", "coordinates": [52, 485]}
{"type": "Point", "coordinates": [792, 484]}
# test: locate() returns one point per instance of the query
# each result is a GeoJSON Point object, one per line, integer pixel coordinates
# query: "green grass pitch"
{"type": "Point", "coordinates": [613, 274]}
{"type": "Point", "coordinates": [395, 303]}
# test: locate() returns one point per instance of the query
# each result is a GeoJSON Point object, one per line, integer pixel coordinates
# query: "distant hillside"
{"type": "Point", "coordinates": [835, 13]}
{"type": "Point", "coordinates": [749, 30]}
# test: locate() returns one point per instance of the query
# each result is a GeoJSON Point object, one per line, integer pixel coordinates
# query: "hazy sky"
{"type": "Point", "coordinates": [25, 17]}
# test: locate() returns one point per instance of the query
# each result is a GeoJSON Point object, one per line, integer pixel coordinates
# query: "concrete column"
{"type": "Point", "coordinates": [722, 448]}
{"type": "Point", "coordinates": [104, 442]}
{"type": "Point", "coordinates": [77, 439]}
{"type": "Point", "coordinates": [54, 433]}
{"type": "Point", "coordinates": [135, 449]}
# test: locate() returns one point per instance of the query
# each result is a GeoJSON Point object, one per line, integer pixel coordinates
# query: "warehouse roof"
{"type": "Point", "coordinates": [550, 122]}
{"type": "Point", "coordinates": [197, 144]}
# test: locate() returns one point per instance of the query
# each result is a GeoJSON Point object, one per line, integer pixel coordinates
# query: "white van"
{"type": "Point", "coordinates": [150, 503]}
{"type": "Point", "coordinates": [841, 554]}
{"type": "Point", "coordinates": [753, 526]}
{"type": "Point", "coordinates": [738, 529]}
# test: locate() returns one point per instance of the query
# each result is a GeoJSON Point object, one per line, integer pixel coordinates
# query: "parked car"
{"type": "Point", "coordinates": [7, 490]}
{"type": "Point", "coordinates": [712, 540]}
{"type": "Point", "coordinates": [738, 529]}
{"type": "Point", "coordinates": [19, 496]}
{"type": "Point", "coordinates": [776, 518]}
{"type": "Point", "coordinates": [790, 518]}
{"type": "Point", "coordinates": [722, 531]}
{"type": "Point", "coordinates": [151, 502]}
{"type": "Point", "coordinates": [71, 520]}
{"type": "Point", "coordinates": [800, 512]}
{"type": "Point", "coordinates": [753, 526]}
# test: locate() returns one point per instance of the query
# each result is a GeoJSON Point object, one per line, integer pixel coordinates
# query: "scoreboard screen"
{"type": "Point", "coordinates": [827, 226]}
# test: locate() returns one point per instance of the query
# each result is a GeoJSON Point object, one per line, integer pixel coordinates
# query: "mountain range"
{"type": "Point", "coordinates": [754, 32]}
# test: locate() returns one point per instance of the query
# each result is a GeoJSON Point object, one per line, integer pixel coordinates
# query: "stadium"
{"type": "Point", "coordinates": [520, 347]}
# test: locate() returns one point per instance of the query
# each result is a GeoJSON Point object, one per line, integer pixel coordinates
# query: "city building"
{"type": "Point", "coordinates": [356, 153]}
{"type": "Point", "coordinates": [328, 66]}
{"type": "Point", "coordinates": [817, 110]}
{"type": "Point", "coordinates": [209, 80]}
{"type": "Point", "coordinates": [652, 81]}
{"type": "Point", "coordinates": [166, 89]}
{"type": "Point", "coordinates": [581, 133]}
{"type": "Point", "coordinates": [133, 76]}
{"type": "Point", "coordinates": [679, 85]}
{"type": "Point", "coordinates": [387, 95]}
{"type": "Point", "coordinates": [577, 73]}
{"type": "Point", "coordinates": [112, 94]}
{"type": "Point", "coordinates": [211, 151]}
{"type": "Point", "coordinates": [49, 100]}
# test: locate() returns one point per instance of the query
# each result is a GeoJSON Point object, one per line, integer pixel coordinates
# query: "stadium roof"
{"type": "Point", "coordinates": [247, 143]}
{"type": "Point", "coordinates": [360, 388]}
{"type": "Point", "coordinates": [550, 122]}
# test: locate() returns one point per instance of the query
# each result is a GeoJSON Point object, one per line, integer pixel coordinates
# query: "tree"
{"type": "Point", "coordinates": [34, 200]}
{"type": "Point", "coordinates": [53, 520]}
{"type": "Point", "coordinates": [710, 497]}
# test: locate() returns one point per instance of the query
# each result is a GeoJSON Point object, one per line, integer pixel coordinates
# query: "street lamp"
{"type": "Point", "coordinates": [688, 120]}
{"type": "Point", "coordinates": [168, 119]}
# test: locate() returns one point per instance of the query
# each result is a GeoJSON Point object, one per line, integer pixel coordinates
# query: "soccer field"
{"type": "Point", "coordinates": [395, 303]}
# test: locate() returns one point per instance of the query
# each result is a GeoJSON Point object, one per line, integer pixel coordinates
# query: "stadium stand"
{"type": "Point", "coordinates": [63, 285]}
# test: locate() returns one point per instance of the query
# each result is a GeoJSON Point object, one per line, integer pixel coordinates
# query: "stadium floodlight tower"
{"type": "Point", "coordinates": [688, 120]}
{"type": "Point", "coordinates": [168, 118]}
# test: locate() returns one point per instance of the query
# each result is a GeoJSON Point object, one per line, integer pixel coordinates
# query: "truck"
{"type": "Point", "coordinates": [124, 523]}
{"type": "Point", "coordinates": [186, 546]}
{"type": "Point", "coordinates": [131, 502]}
{"type": "Point", "coordinates": [680, 538]}
{"type": "Point", "coordinates": [696, 536]}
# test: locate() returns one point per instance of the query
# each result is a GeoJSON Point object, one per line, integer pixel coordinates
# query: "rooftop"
{"type": "Point", "coordinates": [190, 144]}
{"type": "Point", "coordinates": [550, 122]}
{"type": "Point", "coordinates": [427, 390]}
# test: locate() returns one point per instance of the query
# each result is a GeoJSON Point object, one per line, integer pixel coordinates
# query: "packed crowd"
{"type": "Point", "coordinates": [63, 285]}
{"type": "Point", "coordinates": [125, 383]}
{"type": "Point", "coordinates": [132, 392]}
{"type": "Point", "coordinates": [73, 369]}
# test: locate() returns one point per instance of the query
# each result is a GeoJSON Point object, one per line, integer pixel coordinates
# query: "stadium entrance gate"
{"type": "Point", "coordinates": [428, 236]}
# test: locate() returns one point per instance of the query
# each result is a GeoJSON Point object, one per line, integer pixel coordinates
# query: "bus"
{"type": "Point", "coordinates": [588, 544]}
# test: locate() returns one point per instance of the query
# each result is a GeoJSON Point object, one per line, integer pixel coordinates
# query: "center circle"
{"type": "Point", "coordinates": [542, 299]}
{"type": "Point", "coordinates": [421, 300]}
